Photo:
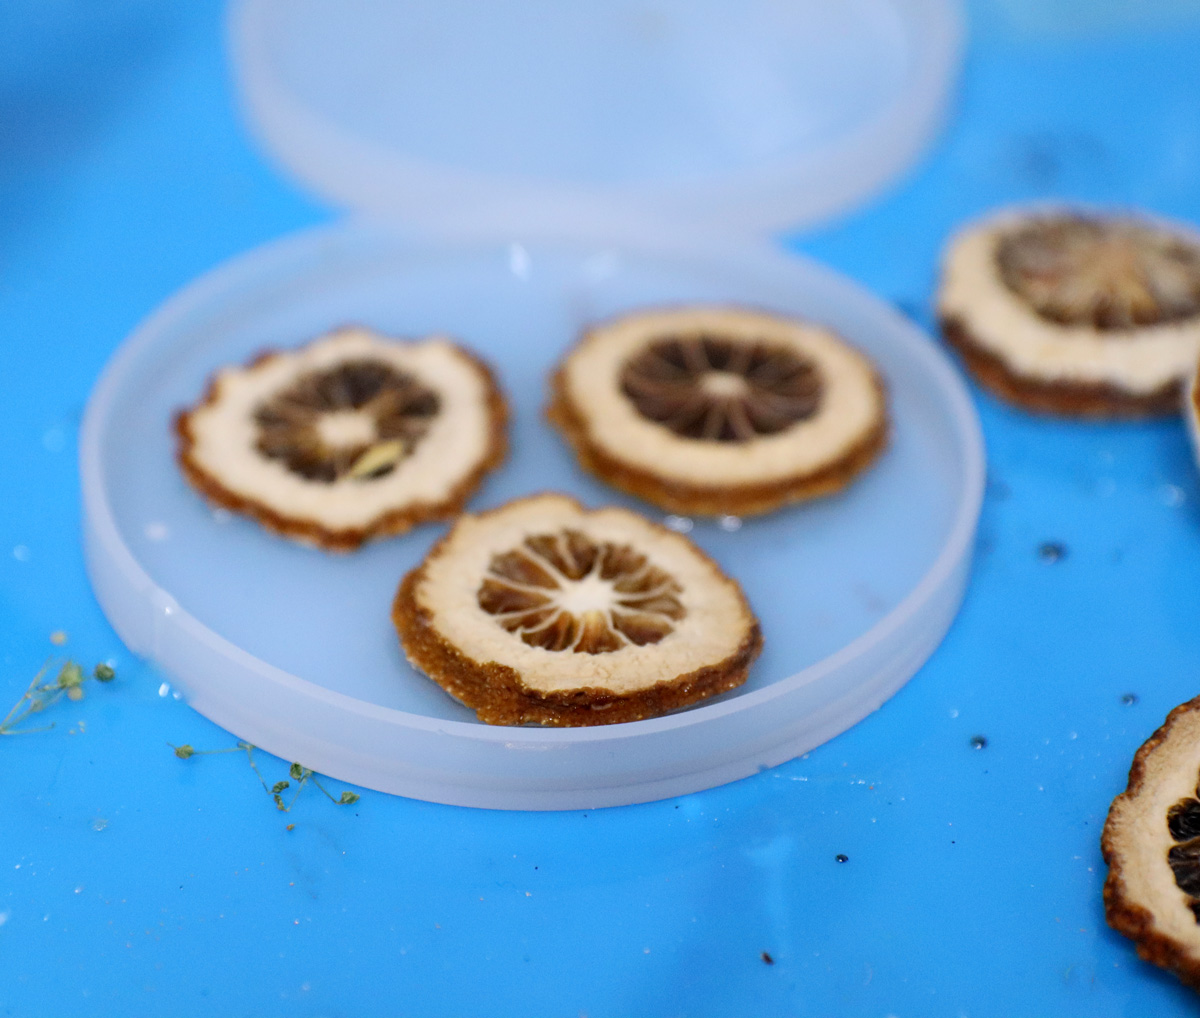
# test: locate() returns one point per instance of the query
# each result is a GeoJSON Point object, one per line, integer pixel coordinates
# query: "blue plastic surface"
{"type": "Point", "coordinates": [132, 882]}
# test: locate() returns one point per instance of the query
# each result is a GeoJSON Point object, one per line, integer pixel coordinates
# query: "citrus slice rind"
{"type": "Point", "coordinates": [719, 411]}
{"type": "Point", "coordinates": [544, 612]}
{"type": "Point", "coordinates": [1075, 313]}
{"type": "Point", "coordinates": [1191, 411]}
{"type": "Point", "coordinates": [1151, 843]}
{"type": "Point", "coordinates": [349, 438]}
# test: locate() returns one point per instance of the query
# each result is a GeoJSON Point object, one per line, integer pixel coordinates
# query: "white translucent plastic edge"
{"type": "Point", "coordinates": [801, 191]}
{"type": "Point", "coordinates": [519, 768]}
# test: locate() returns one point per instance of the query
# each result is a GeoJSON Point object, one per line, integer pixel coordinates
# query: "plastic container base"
{"type": "Point", "coordinates": [293, 650]}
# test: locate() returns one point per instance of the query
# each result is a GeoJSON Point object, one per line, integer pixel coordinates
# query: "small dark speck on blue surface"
{"type": "Point", "coordinates": [1129, 699]}
{"type": "Point", "coordinates": [842, 858]}
{"type": "Point", "coordinates": [978, 742]}
{"type": "Point", "coordinates": [1052, 551]}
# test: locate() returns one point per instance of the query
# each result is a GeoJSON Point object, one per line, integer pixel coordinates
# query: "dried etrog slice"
{"type": "Point", "coordinates": [1075, 313]}
{"type": "Point", "coordinates": [543, 612]}
{"type": "Point", "coordinates": [1191, 411]}
{"type": "Point", "coordinates": [352, 437]}
{"type": "Point", "coordinates": [1151, 843]}
{"type": "Point", "coordinates": [715, 411]}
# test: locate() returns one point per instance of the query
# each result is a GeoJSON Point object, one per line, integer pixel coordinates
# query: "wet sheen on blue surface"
{"type": "Point", "coordinates": [132, 882]}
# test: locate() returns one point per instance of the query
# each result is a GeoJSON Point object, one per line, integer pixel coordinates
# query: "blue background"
{"type": "Point", "coordinates": [134, 883]}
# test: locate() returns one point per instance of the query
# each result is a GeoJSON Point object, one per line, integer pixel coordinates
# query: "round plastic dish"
{"type": "Point", "coordinates": [739, 117]}
{"type": "Point", "coordinates": [293, 650]}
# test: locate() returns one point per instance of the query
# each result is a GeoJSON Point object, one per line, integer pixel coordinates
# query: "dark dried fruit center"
{"type": "Point", "coordinates": [722, 390]}
{"type": "Point", "coordinates": [358, 419]}
{"type": "Point", "coordinates": [1183, 821]}
{"type": "Point", "coordinates": [1110, 275]}
{"type": "Point", "coordinates": [566, 592]}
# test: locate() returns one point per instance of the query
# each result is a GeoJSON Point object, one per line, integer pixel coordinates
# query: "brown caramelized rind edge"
{"type": "Point", "coordinates": [718, 499]}
{"type": "Point", "coordinates": [1064, 399]}
{"type": "Point", "coordinates": [388, 524]}
{"type": "Point", "coordinates": [498, 696]}
{"type": "Point", "coordinates": [1124, 915]}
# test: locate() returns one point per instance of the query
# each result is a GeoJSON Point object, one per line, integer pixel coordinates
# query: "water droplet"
{"type": "Point", "coordinates": [54, 440]}
{"type": "Point", "coordinates": [1052, 551]}
{"type": "Point", "coordinates": [157, 531]}
{"type": "Point", "coordinates": [841, 858]}
{"type": "Point", "coordinates": [680, 524]}
{"type": "Point", "coordinates": [954, 712]}
{"type": "Point", "coordinates": [164, 689]}
{"type": "Point", "coordinates": [730, 523]}
{"type": "Point", "coordinates": [58, 638]}
{"type": "Point", "coordinates": [979, 742]}
{"type": "Point", "coordinates": [1073, 735]}
{"type": "Point", "coordinates": [1172, 495]}
{"type": "Point", "coordinates": [4, 917]}
{"type": "Point", "coordinates": [221, 515]}
{"type": "Point", "coordinates": [176, 695]}
{"type": "Point", "coordinates": [1129, 699]}
{"type": "Point", "coordinates": [518, 261]}
{"type": "Point", "coordinates": [21, 553]}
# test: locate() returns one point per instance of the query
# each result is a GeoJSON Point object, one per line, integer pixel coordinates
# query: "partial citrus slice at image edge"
{"type": "Point", "coordinates": [1075, 313]}
{"type": "Point", "coordinates": [1151, 843]}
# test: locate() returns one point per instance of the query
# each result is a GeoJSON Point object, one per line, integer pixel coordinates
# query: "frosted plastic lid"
{"type": "Point", "coordinates": [514, 114]}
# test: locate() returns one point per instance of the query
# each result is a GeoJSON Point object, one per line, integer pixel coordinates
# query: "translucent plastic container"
{"type": "Point", "coordinates": [512, 115]}
{"type": "Point", "coordinates": [293, 649]}
{"type": "Point", "coordinates": [514, 249]}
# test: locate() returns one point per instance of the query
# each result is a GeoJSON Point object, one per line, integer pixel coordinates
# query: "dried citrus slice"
{"type": "Point", "coordinates": [715, 411]}
{"type": "Point", "coordinates": [351, 437]}
{"type": "Point", "coordinates": [1151, 843]}
{"type": "Point", "coordinates": [1191, 412]}
{"type": "Point", "coordinates": [1075, 313]}
{"type": "Point", "coordinates": [543, 612]}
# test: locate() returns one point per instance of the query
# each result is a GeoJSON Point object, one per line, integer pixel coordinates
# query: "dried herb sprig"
{"type": "Point", "coordinates": [41, 694]}
{"type": "Point", "coordinates": [296, 772]}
